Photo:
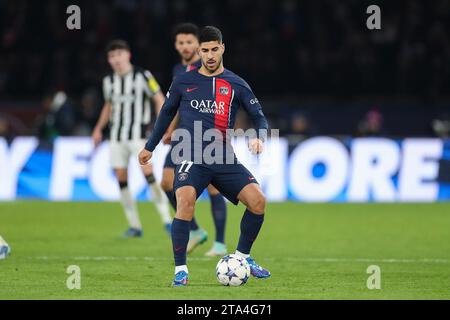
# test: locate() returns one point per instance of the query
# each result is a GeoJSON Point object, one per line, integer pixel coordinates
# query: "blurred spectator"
{"type": "Point", "coordinates": [372, 124]}
{"type": "Point", "coordinates": [88, 114]}
{"type": "Point", "coordinates": [300, 128]}
{"type": "Point", "coordinates": [10, 127]}
{"type": "Point", "coordinates": [300, 125]}
{"type": "Point", "coordinates": [5, 131]}
{"type": "Point", "coordinates": [59, 117]}
{"type": "Point", "coordinates": [441, 126]}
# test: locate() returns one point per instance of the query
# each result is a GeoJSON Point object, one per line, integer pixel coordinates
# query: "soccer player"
{"type": "Point", "coordinates": [186, 43]}
{"type": "Point", "coordinates": [209, 98]}
{"type": "Point", "coordinates": [127, 93]}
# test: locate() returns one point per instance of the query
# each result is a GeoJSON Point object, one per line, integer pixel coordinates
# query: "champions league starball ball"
{"type": "Point", "coordinates": [233, 270]}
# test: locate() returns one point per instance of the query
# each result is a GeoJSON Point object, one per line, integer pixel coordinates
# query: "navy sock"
{"type": "Point", "coordinates": [194, 226]}
{"type": "Point", "coordinates": [173, 201]}
{"type": "Point", "coordinates": [180, 238]}
{"type": "Point", "coordinates": [219, 213]}
{"type": "Point", "coordinates": [250, 225]}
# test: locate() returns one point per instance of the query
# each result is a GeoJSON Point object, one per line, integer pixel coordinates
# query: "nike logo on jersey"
{"type": "Point", "coordinates": [191, 89]}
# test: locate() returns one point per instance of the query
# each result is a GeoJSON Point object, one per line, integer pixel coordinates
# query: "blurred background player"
{"type": "Point", "coordinates": [186, 43]}
{"type": "Point", "coordinates": [127, 93]}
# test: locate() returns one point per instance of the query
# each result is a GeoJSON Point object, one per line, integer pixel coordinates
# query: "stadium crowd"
{"type": "Point", "coordinates": [286, 49]}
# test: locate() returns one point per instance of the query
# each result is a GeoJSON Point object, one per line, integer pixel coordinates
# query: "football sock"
{"type": "Point", "coordinates": [250, 225]}
{"type": "Point", "coordinates": [243, 255]}
{"type": "Point", "coordinates": [129, 206]}
{"type": "Point", "coordinates": [194, 226]}
{"type": "Point", "coordinates": [180, 238]}
{"type": "Point", "coordinates": [181, 268]}
{"type": "Point", "coordinates": [162, 205]}
{"type": "Point", "coordinates": [219, 213]}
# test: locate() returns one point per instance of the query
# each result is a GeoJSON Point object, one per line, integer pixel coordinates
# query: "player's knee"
{"type": "Point", "coordinates": [186, 204]}
{"type": "Point", "coordinates": [258, 204]}
{"type": "Point", "coordinates": [185, 208]}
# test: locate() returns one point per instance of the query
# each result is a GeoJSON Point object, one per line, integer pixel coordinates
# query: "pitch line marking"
{"type": "Point", "coordinates": [329, 260]}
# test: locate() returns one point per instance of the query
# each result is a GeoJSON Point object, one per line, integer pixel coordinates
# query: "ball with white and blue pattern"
{"type": "Point", "coordinates": [233, 270]}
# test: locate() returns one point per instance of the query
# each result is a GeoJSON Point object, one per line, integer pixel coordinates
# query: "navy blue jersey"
{"type": "Point", "coordinates": [180, 68]}
{"type": "Point", "coordinates": [212, 100]}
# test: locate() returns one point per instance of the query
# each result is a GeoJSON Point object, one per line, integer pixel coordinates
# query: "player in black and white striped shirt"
{"type": "Point", "coordinates": [129, 93]}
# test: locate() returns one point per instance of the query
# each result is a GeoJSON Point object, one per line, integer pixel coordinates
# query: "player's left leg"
{"type": "Point", "coordinates": [219, 213]}
{"type": "Point", "coordinates": [253, 198]}
{"type": "Point", "coordinates": [236, 183]}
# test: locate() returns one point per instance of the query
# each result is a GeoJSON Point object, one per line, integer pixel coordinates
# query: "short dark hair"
{"type": "Point", "coordinates": [117, 44]}
{"type": "Point", "coordinates": [210, 33]}
{"type": "Point", "coordinates": [185, 28]}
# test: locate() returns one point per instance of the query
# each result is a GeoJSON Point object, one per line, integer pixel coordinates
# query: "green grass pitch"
{"type": "Point", "coordinates": [314, 251]}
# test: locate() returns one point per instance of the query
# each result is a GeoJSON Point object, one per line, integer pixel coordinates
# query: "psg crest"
{"type": "Point", "coordinates": [183, 176]}
{"type": "Point", "coordinates": [223, 91]}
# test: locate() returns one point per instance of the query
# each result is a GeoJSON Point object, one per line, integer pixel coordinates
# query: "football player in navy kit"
{"type": "Point", "coordinates": [209, 98]}
{"type": "Point", "coordinates": [186, 44]}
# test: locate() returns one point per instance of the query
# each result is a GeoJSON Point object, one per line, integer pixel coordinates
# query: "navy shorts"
{"type": "Point", "coordinates": [229, 179]}
{"type": "Point", "coordinates": [168, 163]}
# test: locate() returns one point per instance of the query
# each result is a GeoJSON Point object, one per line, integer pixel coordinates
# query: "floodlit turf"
{"type": "Point", "coordinates": [314, 251]}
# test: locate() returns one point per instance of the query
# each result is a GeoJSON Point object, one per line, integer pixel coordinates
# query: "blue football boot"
{"type": "Point", "coordinates": [181, 279]}
{"type": "Point", "coordinates": [256, 270]}
{"type": "Point", "coordinates": [132, 233]}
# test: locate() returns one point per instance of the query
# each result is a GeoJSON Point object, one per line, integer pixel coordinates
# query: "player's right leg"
{"type": "Point", "coordinates": [119, 160]}
{"type": "Point", "coordinates": [197, 235]}
{"type": "Point", "coordinates": [186, 197]}
{"type": "Point", "coordinates": [190, 181]}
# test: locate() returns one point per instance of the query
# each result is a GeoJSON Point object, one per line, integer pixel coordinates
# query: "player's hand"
{"type": "Point", "coordinates": [144, 157]}
{"type": "Point", "coordinates": [256, 146]}
{"type": "Point", "coordinates": [97, 137]}
{"type": "Point", "coordinates": [167, 138]}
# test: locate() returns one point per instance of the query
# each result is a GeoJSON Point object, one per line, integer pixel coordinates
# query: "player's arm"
{"type": "Point", "coordinates": [173, 125]}
{"type": "Point", "coordinates": [97, 135]}
{"type": "Point", "coordinates": [253, 108]}
{"type": "Point", "coordinates": [166, 115]}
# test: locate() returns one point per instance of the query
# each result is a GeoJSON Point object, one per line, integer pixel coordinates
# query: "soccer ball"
{"type": "Point", "coordinates": [4, 248]}
{"type": "Point", "coordinates": [233, 270]}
